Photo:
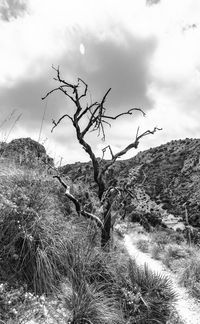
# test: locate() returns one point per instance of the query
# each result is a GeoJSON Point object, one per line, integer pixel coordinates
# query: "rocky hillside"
{"type": "Point", "coordinates": [24, 151]}
{"type": "Point", "coordinates": [170, 176]}
{"type": "Point", "coordinates": [165, 179]}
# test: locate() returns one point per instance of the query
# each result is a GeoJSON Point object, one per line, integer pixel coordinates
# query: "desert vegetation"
{"type": "Point", "coordinates": [62, 254]}
{"type": "Point", "coordinates": [176, 254]}
{"type": "Point", "coordinates": [59, 262]}
{"type": "Point", "coordinates": [53, 266]}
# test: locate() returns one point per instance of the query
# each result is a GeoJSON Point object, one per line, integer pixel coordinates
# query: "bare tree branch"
{"type": "Point", "coordinates": [128, 147]}
{"type": "Point", "coordinates": [129, 112]}
{"type": "Point", "coordinates": [79, 210]}
{"type": "Point", "coordinates": [69, 85]}
{"type": "Point", "coordinates": [59, 120]}
{"type": "Point", "coordinates": [61, 88]}
{"type": "Point", "coordinates": [104, 150]}
{"type": "Point", "coordinates": [88, 108]}
{"type": "Point", "coordinates": [86, 88]}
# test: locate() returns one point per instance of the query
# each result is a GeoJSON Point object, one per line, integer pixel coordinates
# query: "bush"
{"type": "Point", "coordinates": [161, 237]}
{"type": "Point", "coordinates": [173, 252]}
{"type": "Point", "coordinates": [19, 306]}
{"type": "Point", "coordinates": [176, 237]}
{"type": "Point", "coordinates": [156, 250]}
{"type": "Point", "coordinates": [143, 245]}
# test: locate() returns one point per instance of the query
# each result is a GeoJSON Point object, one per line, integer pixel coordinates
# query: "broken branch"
{"type": "Point", "coordinates": [78, 205]}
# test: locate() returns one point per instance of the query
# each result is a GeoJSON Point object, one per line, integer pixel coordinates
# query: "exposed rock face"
{"type": "Point", "coordinates": [25, 151]}
{"type": "Point", "coordinates": [166, 179]}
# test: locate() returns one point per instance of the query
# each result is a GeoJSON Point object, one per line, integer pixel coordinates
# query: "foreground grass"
{"type": "Point", "coordinates": [52, 266]}
{"type": "Point", "coordinates": [172, 249]}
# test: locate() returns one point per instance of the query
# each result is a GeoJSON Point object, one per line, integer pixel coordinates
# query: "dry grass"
{"type": "Point", "coordinates": [89, 304]}
{"type": "Point", "coordinates": [41, 248]}
{"type": "Point", "coordinates": [189, 275]}
{"type": "Point", "coordinates": [181, 258]}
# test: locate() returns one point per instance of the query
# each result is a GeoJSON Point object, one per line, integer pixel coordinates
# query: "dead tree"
{"type": "Point", "coordinates": [94, 117]}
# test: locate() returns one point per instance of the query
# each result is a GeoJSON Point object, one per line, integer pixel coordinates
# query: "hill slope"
{"type": "Point", "coordinates": [165, 178]}
{"type": "Point", "coordinates": [170, 175]}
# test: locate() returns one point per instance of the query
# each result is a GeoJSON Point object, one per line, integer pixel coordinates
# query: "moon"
{"type": "Point", "coordinates": [82, 49]}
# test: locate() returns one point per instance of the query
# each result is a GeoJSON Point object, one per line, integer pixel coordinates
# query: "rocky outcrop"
{"type": "Point", "coordinates": [25, 151]}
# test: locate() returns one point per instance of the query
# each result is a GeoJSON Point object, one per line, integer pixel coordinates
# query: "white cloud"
{"type": "Point", "coordinates": [32, 42]}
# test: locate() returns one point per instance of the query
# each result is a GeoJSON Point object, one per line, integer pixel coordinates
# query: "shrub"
{"type": "Point", "coordinates": [143, 245]}
{"type": "Point", "coordinates": [156, 250]}
{"type": "Point", "coordinates": [176, 237]}
{"type": "Point", "coordinates": [20, 306]}
{"type": "Point", "coordinates": [161, 237]}
{"type": "Point", "coordinates": [173, 252]}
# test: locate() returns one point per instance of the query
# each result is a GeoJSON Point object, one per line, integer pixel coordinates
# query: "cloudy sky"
{"type": "Point", "coordinates": [147, 51]}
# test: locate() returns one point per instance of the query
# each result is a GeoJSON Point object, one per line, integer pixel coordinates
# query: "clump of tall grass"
{"type": "Point", "coordinates": [112, 283]}
{"type": "Point", "coordinates": [89, 304]}
{"type": "Point", "coordinates": [34, 235]}
{"type": "Point", "coordinates": [41, 248]}
{"type": "Point", "coordinates": [153, 293]}
{"type": "Point", "coordinates": [189, 275]}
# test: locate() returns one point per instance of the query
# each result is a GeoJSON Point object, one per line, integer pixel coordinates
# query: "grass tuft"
{"type": "Point", "coordinates": [90, 305]}
{"type": "Point", "coordinates": [173, 252]}
{"type": "Point", "coordinates": [143, 245]}
{"type": "Point", "coordinates": [189, 275]}
{"type": "Point", "coordinates": [152, 293]}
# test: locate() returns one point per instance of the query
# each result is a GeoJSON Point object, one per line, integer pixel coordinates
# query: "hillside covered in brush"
{"type": "Point", "coordinates": [164, 179]}
{"type": "Point", "coordinates": [53, 268]}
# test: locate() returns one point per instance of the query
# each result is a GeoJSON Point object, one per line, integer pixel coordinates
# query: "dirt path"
{"type": "Point", "coordinates": [187, 308]}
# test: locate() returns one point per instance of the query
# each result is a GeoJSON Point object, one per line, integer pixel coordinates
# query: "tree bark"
{"type": "Point", "coordinates": [106, 232]}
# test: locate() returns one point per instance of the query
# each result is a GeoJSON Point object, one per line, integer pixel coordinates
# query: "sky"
{"type": "Point", "coordinates": [147, 51]}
